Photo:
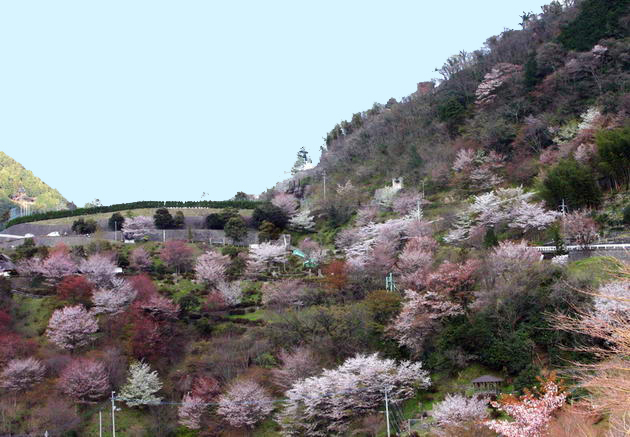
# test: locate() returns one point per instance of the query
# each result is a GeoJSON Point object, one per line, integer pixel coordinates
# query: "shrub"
{"type": "Point", "coordinates": [271, 213]}
{"type": "Point", "coordinates": [116, 221]}
{"type": "Point", "coordinates": [236, 229]}
{"type": "Point", "coordinates": [613, 148]}
{"type": "Point", "coordinates": [82, 226]}
{"type": "Point", "coordinates": [572, 182]}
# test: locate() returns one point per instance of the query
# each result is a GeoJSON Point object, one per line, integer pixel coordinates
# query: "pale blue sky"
{"type": "Point", "coordinates": [163, 100]}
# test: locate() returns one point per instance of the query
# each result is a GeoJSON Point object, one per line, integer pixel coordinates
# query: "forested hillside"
{"type": "Point", "coordinates": [16, 180]}
{"type": "Point", "coordinates": [440, 272]}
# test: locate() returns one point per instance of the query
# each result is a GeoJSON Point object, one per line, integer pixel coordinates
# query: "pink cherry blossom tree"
{"type": "Point", "coordinates": [612, 301]}
{"type": "Point", "coordinates": [325, 405]}
{"type": "Point", "coordinates": [286, 202]}
{"type": "Point", "coordinates": [20, 374]}
{"type": "Point", "coordinates": [191, 410]}
{"type": "Point", "coordinates": [245, 404]}
{"type": "Point", "coordinates": [99, 268]}
{"type": "Point", "coordinates": [285, 293]}
{"type": "Point", "coordinates": [509, 257]}
{"type": "Point", "coordinates": [84, 380]}
{"type": "Point", "coordinates": [211, 267]}
{"type": "Point", "coordinates": [71, 327]}
{"type": "Point", "coordinates": [579, 228]}
{"type": "Point", "coordinates": [140, 259]}
{"type": "Point", "coordinates": [296, 365]}
{"type": "Point", "coordinates": [420, 315]}
{"type": "Point", "coordinates": [531, 413]}
{"type": "Point", "coordinates": [56, 266]}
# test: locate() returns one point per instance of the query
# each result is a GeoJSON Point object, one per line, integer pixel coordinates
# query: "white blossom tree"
{"type": "Point", "coordinates": [211, 267]}
{"type": "Point", "coordinates": [612, 301]}
{"type": "Point", "coordinates": [457, 411]}
{"type": "Point", "coordinates": [325, 405]}
{"type": "Point", "coordinates": [264, 256]}
{"type": "Point", "coordinates": [71, 327]}
{"type": "Point", "coordinates": [245, 404]}
{"type": "Point", "coordinates": [84, 380]}
{"type": "Point", "coordinates": [302, 221]}
{"type": "Point", "coordinates": [99, 268]}
{"type": "Point", "coordinates": [115, 298]}
{"type": "Point", "coordinates": [231, 292]}
{"type": "Point", "coordinates": [141, 386]}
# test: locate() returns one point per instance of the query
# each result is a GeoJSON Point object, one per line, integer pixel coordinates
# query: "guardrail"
{"type": "Point", "coordinates": [572, 248]}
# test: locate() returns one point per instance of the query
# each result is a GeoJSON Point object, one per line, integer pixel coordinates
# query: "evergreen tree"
{"type": "Point", "coordinates": [236, 229]}
{"type": "Point", "coordinates": [116, 221]}
{"type": "Point", "coordinates": [163, 219]}
{"type": "Point", "coordinates": [490, 239]}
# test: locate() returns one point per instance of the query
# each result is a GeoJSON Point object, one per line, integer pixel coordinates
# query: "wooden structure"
{"type": "Point", "coordinates": [487, 384]}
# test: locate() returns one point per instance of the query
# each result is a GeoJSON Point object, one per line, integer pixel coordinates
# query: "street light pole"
{"type": "Point", "coordinates": [113, 414]}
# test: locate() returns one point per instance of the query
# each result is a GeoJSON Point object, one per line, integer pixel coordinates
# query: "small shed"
{"type": "Point", "coordinates": [487, 383]}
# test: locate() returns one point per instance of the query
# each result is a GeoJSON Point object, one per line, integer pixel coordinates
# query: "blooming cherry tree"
{"type": "Point", "coordinates": [231, 292]}
{"type": "Point", "coordinates": [137, 228]}
{"type": "Point", "coordinates": [531, 412]}
{"type": "Point", "coordinates": [21, 374]}
{"type": "Point", "coordinates": [245, 404]}
{"type": "Point", "coordinates": [580, 228]}
{"type": "Point", "coordinates": [325, 405]}
{"type": "Point", "coordinates": [509, 257]}
{"type": "Point", "coordinates": [286, 202]}
{"type": "Point", "coordinates": [302, 221]}
{"type": "Point", "coordinates": [457, 410]}
{"type": "Point", "coordinates": [191, 410]}
{"type": "Point", "coordinates": [265, 255]}
{"type": "Point", "coordinates": [420, 315]}
{"type": "Point", "coordinates": [177, 255]}
{"type": "Point", "coordinates": [140, 259]}
{"type": "Point", "coordinates": [99, 268]}
{"type": "Point", "coordinates": [210, 267]}
{"type": "Point", "coordinates": [284, 293]}
{"type": "Point", "coordinates": [612, 301]}
{"type": "Point", "coordinates": [115, 298]}
{"type": "Point", "coordinates": [296, 365]}
{"type": "Point", "coordinates": [84, 380]}
{"type": "Point", "coordinates": [141, 386]}
{"type": "Point", "coordinates": [71, 327]}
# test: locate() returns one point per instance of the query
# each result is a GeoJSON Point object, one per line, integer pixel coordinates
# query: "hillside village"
{"type": "Point", "coordinates": [456, 264]}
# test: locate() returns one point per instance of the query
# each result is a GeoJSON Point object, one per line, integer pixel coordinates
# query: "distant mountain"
{"type": "Point", "coordinates": [19, 186]}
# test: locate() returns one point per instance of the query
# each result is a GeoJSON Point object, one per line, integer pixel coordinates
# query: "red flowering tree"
{"type": "Point", "coordinates": [177, 255]}
{"type": "Point", "coordinates": [75, 289]}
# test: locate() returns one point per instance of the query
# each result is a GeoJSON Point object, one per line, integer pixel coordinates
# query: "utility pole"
{"type": "Point", "coordinates": [423, 188]}
{"type": "Point", "coordinates": [100, 423]}
{"type": "Point", "coordinates": [324, 185]}
{"type": "Point", "coordinates": [563, 208]}
{"type": "Point", "coordinates": [387, 413]}
{"type": "Point", "coordinates": [115, 231]}
{"type": "Point", "coordinates": [113, 414]}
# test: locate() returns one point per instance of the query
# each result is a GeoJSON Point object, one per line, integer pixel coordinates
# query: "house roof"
{"type": "Point", "coordinates": [486, 378]}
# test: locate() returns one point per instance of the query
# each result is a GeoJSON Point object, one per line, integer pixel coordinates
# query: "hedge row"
{"type": "Point", "coordinates": [240, 204]}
